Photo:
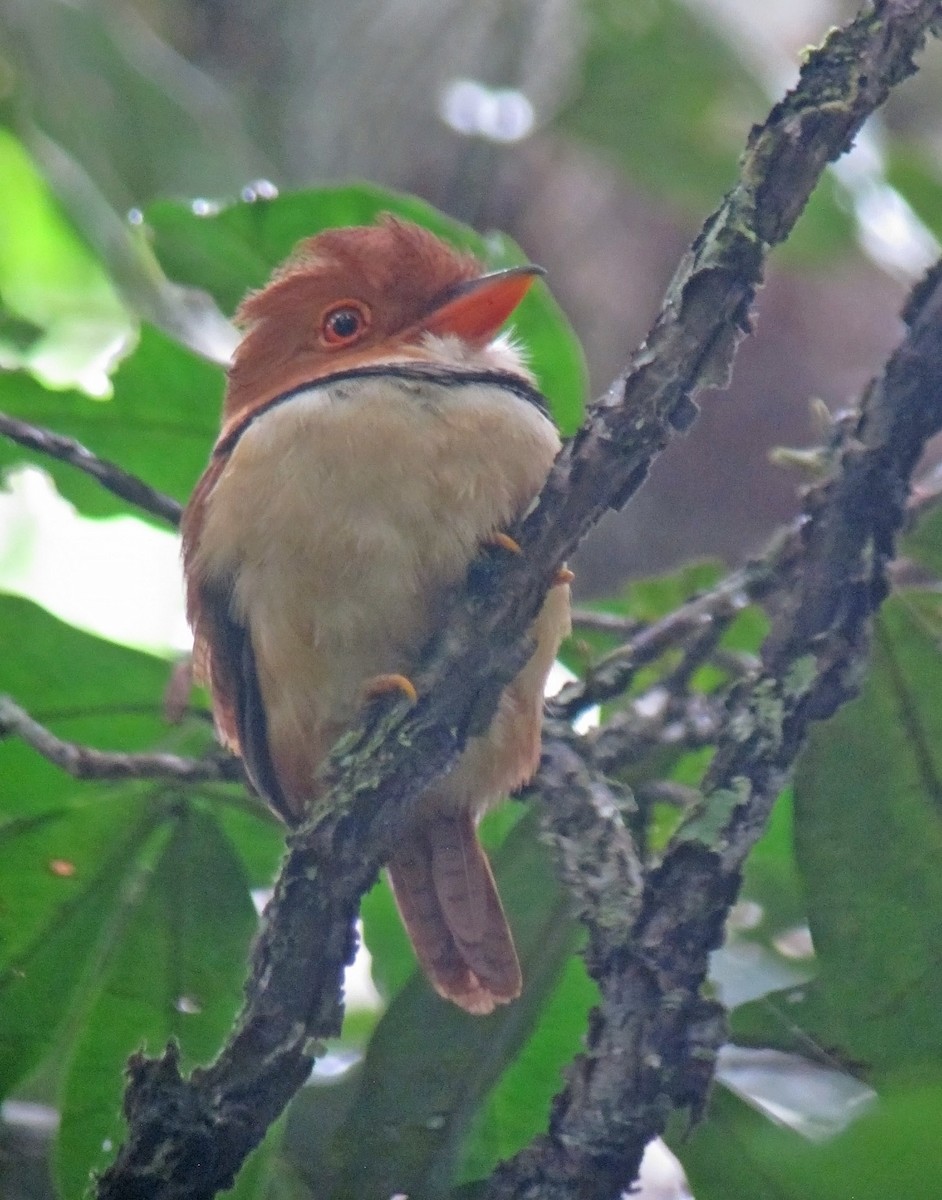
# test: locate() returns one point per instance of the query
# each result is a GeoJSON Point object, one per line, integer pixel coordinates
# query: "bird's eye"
{"type": "Point", "coordinates": [344, 323]}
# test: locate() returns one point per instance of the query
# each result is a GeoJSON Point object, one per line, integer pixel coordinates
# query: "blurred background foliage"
{"type": "Point", "coordinates": [157, 158]}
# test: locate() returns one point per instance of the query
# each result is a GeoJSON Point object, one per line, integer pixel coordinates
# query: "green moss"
{"type": "Point", "coordinates": [801, 676]}
{"type": "Point", "coordinates": [714, 816]}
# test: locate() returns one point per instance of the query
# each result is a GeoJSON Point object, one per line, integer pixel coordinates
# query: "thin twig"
{"type": "Point", "coordinates": [655, 722]}
{"type": "Point", "coordinates": [599, 621]}
{"type": "Point", "coordinates": [85, 762]}
{"type": "Point", "coordinates": [692, 621]}
{"type": "Point", "coordinates": [115, 479]}
{"type": "Point", "coordinates": [613, 673]}
{"type": "Point", "coordinates": [669, 792]}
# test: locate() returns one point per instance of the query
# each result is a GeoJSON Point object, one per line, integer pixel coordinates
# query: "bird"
{"type": "Point", "coordinates": [378, 429]}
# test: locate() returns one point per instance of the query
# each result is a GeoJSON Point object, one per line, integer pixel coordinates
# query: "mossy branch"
{"type": "Point", "coordinates": [188, 1137]}
{"type": "Point", "coordinates": [650, 967]}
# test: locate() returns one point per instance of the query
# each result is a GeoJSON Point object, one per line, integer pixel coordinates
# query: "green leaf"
{"type": "Point", "coordinates": [262, 1168]}
{"type": "Point", "coordinates": [80, 855]}
{"type": "Point", "coordinates": [755, 961]}
{"type": "Point", "coordinates": [132, 114]}
{"type": "Point", "coordinates": [172, 967]}
{"type": "Point", "coordinates": [233, 248]}
{"type": "Point", "coordinates": [386, 939]}
{"type": "Point", "coordinates": [62, 319]}
{"type": "Point", "coordinates": [924, 543]}
{"type": "Point", "coordinates": [518, 1107]}
{"type": "Point", "coordinates": [892, 1150]}
{"type": "Point", "coordinates": [255, 832]}
{"type": "Point", "coordinates": [429, 1065]}
{"type": "Point", "coordinates": [650, 599]}
{"type": "Point", "coordinates": [771, 878]}
{"type": "Point", "coordinates": [642, 600]}
{"type": "Point", "coordinates": [314, 1116]}
{"type": "Point", "coordinates": [665, 97]}
{"type": "Point", "coordinates": [868, 827]}
{"type": "Point", "coordinates": [916, 175]}
{"type": "Point", "coordinates": [125, 915]}
{"type": "Point", "coordinates": [82, 687]}
{"type": "Point", "coordinates": [670, 101]}
{"type": "Point", "coordinates": [159, 424]}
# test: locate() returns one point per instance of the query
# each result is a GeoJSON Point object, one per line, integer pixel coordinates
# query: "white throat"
{"type": "Point", "coordinates": [502, 354]}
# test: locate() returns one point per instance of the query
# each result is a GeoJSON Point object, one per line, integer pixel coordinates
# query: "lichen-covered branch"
{"type": "Point", "coordinates": [585, 815]}
{"type": "Point", "coordinates": [650, 970]}
{"type": "Point", "coordinates": [115, 479]}
{"type": "Point", "coordinates": [188, 1137]}
{"type": "Point", "coordinates": [640, 730]}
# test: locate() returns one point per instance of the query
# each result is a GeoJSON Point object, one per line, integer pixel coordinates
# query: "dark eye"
{"type": "Point", "coordinates": [343, 323]}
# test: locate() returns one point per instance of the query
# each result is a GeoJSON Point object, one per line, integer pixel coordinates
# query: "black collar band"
{"type": "Point", "coordinates": [417, 373]}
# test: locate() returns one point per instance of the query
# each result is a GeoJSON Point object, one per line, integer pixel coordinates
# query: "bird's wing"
{"type": "Point", "coordinates": [223, 655]}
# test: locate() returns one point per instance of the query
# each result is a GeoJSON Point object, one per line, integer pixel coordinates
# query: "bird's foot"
{"type": "Point", "coordinates": [382, 685]}
{"type": "Point", "coordinates": [512, 546]}
{"type": "Point", "coordinates": [505, 541]}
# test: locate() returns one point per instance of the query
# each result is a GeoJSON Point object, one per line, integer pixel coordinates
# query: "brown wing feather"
{"type": "Point", "coordinates": [200, 612]}
{"type": "Point", "coordinates": [224, 658]}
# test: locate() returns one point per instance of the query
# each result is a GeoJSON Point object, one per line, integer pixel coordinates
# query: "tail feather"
{"type": "Point", "coordinates": [471, 907]}
{"type": "Point", "coordinates": [410, 874]}
{"type": "Point", "coordinates": [451, 910]}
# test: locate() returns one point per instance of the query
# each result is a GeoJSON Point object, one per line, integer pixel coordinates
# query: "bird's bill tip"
{"type": "Point", "coordinates": [475, 309]}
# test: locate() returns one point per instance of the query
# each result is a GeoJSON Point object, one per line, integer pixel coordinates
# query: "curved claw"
{"type": "Point", "coordinates": [563, 575]}
{"type": "Point", "coordinates": [505, 541]}
{"type": "Point", "coordinates": [382, 685]}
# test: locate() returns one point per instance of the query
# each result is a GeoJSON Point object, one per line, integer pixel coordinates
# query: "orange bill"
{"type": "Point", "coordinates": [475, 309]}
